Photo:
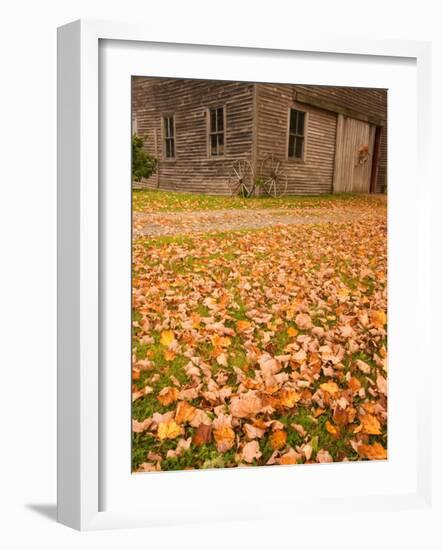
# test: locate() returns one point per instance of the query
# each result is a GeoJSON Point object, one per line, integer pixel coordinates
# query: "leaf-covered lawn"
{"type": "Point", "coordinates": [263, 346]}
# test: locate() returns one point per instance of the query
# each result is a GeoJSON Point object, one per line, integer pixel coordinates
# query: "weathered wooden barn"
{"type": "Point", "coordinates": [326, 139]}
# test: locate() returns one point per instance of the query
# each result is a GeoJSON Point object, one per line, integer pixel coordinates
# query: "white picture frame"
{"type": "Point", "coordinates": [80, 437]}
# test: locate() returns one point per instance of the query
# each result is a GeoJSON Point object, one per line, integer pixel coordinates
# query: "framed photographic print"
{"type": "Point", "coordinates": [239, 254]}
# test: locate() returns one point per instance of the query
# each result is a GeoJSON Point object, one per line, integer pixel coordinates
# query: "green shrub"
{"type": "Point", "coordinates": [143, 164]}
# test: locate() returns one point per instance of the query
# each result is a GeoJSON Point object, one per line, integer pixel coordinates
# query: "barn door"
{"type": "Point", "coordinates": [354, 155]}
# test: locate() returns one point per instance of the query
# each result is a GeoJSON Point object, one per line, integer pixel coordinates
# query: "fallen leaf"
{"type": "Point", "coordinates": [168, 395]}
{"type": "Point", "coordinates": [168, 430]}
{"type": "Point", "coordinates": [251, 452]}
{"type": "Point", "coordinates": [323, 456]}
{"type": "Point", "coordinates": [203, 435]}
{"type": "Point", "coordinates": [371, 425]}
{"type": "Point", "coordinates": [330, 387]}
{"type": "Point", "coordinates": [278, 440]}
{"type": "Point", "coordinates": [167, 337]}
{"type": "Point", "coordinates": [184, 412]}
{"type": "Point", "coordinates": [372, 452]}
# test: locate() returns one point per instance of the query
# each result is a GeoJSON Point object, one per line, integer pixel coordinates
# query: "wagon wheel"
{"type": "Point", "coordinates": [274, 181]}
{"type": "Point", "coordinates": [241, 180]}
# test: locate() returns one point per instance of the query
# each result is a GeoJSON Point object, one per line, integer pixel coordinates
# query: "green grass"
{"type": "Point", "coordinates": [168, 201]}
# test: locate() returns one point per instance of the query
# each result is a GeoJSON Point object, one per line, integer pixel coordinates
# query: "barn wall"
{"type": "Point", "coordinates": [372, 102]}
{"type": "Point", "coordinates": [188, 100]}
{"type": "Point", "coordinates": [314, 175]}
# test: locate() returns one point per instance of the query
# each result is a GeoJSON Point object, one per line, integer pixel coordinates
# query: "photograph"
{"type": "Point", "coordinates": [259, 274]}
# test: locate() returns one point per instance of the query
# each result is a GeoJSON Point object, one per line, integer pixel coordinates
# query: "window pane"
{"type": "Point", "coordinates": [170, 126]}
{"type": "Point", "coordinates": [213, 145]}
{"type": "Point", "coordinates": [220, 119]}
{"type": "Point", "coordinates": [293, 117]}
{"type": "Point", "coordinates": [221, 144]}
{"type": "Point", "coordinates": [291, 146]}
{"type": "Point", "coordinates": [299, 144]}
{"type": "Point", "coordinates": [300, 125]}
{"type": "Point", "coordinates": [212, 120]}
{"type": "Point", "coordinates": [172, 147]}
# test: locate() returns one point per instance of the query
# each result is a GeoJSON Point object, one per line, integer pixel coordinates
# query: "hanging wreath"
{"type": "Point", "coordinates": [363, 153]}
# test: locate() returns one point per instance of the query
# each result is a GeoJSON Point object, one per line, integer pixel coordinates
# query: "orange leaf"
{"type": "Point", "coordinates": [330, 387]}
{"type": "Point", "coordinates": [292, 332]}
{"type": "Point", "coordinates": [378, 318]}
{"type": "Point", "coordinates": [184, 412]}
{"type": "Point", "coordinates": [288, 398]}
{"type": "Point", "coordinates": [370, 424]}
{"type": "Point", "coordinates": [333, 430]}
{"type": "Point", "coordinates": [202, 435]}
{"type": "Point", "coordinates": [169, 355]}
{"type": "Point", "coordinates": [167, 396]}
{"type": "Point", "coordinates": [243, 325]}
{"type": "Point", "coordinates": [278, 439]}
{"type": "Point", "coordinates": [373, 452]}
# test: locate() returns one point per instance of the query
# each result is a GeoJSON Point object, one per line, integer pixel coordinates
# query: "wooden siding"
{"type": "Point", "coordinates": [189, 100]}
{"type": "Point", "coordinates": [314, 174]}
{"type": "Point", "coordinates": [256, 118]}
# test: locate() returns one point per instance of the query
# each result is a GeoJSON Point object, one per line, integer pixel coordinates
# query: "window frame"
{"type": "Point", "coordinates": [301, 159]}
{"type": "Point", "coordinates": [165, 138]}
{"type": "Point", "coordinates": [210, 133]}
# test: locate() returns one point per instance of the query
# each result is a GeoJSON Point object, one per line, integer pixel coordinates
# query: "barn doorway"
{"type": "Point", "coordinates": [355, 144]}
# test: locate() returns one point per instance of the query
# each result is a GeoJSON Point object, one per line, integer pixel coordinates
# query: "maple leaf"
{"type": "Point", "coordinates": [290, 457]}
{"type": "Point", "coordinates": [304, 321]}
{"type": "Point", "coordinates": [245, 405]}
{"type": "Point", "coordinates": [370, 425]}
{"type": "Point", "coordinates": [372, 452]}
{"type": "Point", "coordinates": [184, 412]}
{"type": "Point", "coordinates": [323, 456]}
{"type": "Point", "coordinates": [251, 452]}
{"type": "Point", "coordinates": [333, 430]}
{"type": "Point", "coordinates": [363, 366]}
{"type": "Point", "coordinates": [203, 435]}
{"type": "Point", "coordinates": [243, 325]}
{"type": "Point", "coordinates": [168, 430]}
{"type": "Point", "coordinates": [141, 393]}
{"type": "Point", "coordinates": [167, 337]}
{"type": "Point", "coordinates": [167, 396]}
{"type": "Point", "coordinates": [289, 398]}
{"type": "Point", "coordinates": [223, 433]}
{"type": "Point", "coordinates": [278, 439]}
{"type": "Point", "coordinates": [378, 318]}
{"type": "Point", "coordinates": [330, 387]}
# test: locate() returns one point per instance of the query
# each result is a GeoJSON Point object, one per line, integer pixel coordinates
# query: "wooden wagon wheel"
{"type": "Point", "coordinates": [241, 180]}
{"type": "Point", "coordinates": [274, 181]}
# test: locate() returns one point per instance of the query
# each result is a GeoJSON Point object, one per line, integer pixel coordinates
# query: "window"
{"type": "Point", "coordinates": [169, 136]}
{"type": "Point", "coordinates": [296, 134]}
{"type": "Point", "coordinates": [216, 132]}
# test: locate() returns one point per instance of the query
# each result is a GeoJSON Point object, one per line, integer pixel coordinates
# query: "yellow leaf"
{"type": "Point", "coordinates": [371, 425]}
{"type": "Point", "coordinates": [168, 430]}
{"type": "Point", "coordinates": [333, 430]}
{"type": "Point", "coordinates": [167, 337]}
{"type": "Point", "coordinates": [291, 331]}
{"type": "Point", "coordinates": [378, 318]}
{"type": "Point", "coordinates": [330, 387]}
{"type": "Point", "coordinates": [288, 398]}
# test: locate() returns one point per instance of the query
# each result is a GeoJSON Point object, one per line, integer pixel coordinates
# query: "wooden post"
{"type": "Point", "coordinates": [157, 172]}
{"type": "Point", "coordinates": [376, 157]}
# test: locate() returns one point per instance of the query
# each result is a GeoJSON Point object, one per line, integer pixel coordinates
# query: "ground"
{"type": "Point", "coordinates": [259, 330]}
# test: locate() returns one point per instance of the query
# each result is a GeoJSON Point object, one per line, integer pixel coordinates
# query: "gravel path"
{"type": "Point", "coordinates": [181, 223]}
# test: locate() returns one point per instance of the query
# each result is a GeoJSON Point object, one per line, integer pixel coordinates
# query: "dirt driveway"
{"type": "Point", "coordinates": [154, 224]}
